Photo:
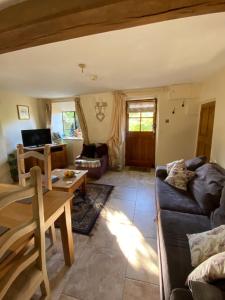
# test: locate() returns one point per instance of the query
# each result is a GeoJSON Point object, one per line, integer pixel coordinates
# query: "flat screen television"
{"type": "Point", "coordinates": [36, 137]}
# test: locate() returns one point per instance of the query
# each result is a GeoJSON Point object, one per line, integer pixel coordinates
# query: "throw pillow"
{"type": "Point", "coordinates": [180, 163]}
{"type": "Point", "coordinates": [178, 175]}
{"type": "Point", "coordinates": [207, 186]}
{"type": "Point", "coordinates": [196, 162]}
{"type": "Point", "coordinates": [89, 150]}
{"type": "Point", "coordinates": [205, 244]}
{"type": "Point", "coordinates": [218, 215]}
{"type": "Point", "coordinates": [210, 270]}
{"type": "Point", "coordinates": [101, 149]}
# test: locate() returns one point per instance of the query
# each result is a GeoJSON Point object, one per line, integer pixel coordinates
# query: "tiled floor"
{"type": "Point", "coordinates": [119, 260]}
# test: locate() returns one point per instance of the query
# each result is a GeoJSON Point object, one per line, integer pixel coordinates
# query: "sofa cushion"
{"type": "Point", "coordinates": [196, 162]}
{"type": "Point", "coordinates": [207, 186]}
{"type": "Point", "coordinates": [218, 215]}
{"type": "Point", "coordinates": [205, 291]}
{"type": "Point", "coordinates": [205, 244]}
{"type": "Point", "coordinates": [161, 172]}
{"type": "Point", "coordinates": [174, 247]}
{"type": "Point", "coordinates": [87, 163]}
{"type": "Point", "coordinates": [89, 150]}
{"type": "Point", "coordinates": [181, 294]}
{"type": "Point", "coordinates": [171, 198]}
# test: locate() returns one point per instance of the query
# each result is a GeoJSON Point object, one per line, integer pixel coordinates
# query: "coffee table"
{"type": "Point", "coordinates": [70, 184]}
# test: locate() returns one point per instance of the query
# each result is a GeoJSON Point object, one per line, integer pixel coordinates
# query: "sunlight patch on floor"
{"type": "Point", "coordinates": [132, 243]}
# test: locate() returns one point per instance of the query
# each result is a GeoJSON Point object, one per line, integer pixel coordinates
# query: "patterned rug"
{"type": "Point", "coordinates": [85, 210]}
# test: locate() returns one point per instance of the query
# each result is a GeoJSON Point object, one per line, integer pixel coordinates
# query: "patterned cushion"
{"type": "Point", "coordinates": [179, 163]}
{"type": "Point", "coordinates": [178, 175]}
{"type": "Point", "coordinates": [210, 270]}
{"type": "Point", "coordinates": [88, 163]}
{"type": "Point", "coordinates": [205, 244]}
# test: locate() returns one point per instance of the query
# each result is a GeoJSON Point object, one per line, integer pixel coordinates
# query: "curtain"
{"type": "Point", "coordinates": [141, 106]}
{"type": "Point", "coordinates": [48, 113]}
{"type": "Point", "coordinates": [82, 121]}
{"type": "Point", "coordinates": [116, 143]}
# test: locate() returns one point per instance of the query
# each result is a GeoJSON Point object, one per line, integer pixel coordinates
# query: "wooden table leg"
{"type": "Point", "coordinates": [52, 235]}
{"type": "Point", "coordinates": [67, 235]}
{"type": "Point", "coordinates": [83, 186]}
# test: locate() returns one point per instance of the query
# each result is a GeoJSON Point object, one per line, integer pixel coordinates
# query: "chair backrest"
{"type": "Point", "coordinates": [46, 158]}
{"type": "Point", "coordinates": [12, 265]}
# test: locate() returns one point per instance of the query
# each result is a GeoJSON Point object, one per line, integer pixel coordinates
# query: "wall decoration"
{"type": "Point", "coordinates": [100, 110]}
{"type": "Point", "coordinates": [23, 112]}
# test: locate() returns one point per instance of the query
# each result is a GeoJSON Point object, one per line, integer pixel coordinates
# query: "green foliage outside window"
{"type": "Point", "coordinates": [70, 123]}
{"type": "Point", "coordinates": [140, 121]}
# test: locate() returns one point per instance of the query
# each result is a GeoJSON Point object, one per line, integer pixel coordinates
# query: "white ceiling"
{"type": "Point", "coordinates": [183, 50]}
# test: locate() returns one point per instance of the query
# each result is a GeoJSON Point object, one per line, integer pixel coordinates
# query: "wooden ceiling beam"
{"type": "Point", "coordinates": [33, 22]}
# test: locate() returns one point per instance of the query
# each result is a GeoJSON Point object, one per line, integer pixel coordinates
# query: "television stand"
{"type": "Point", "coordinates": [58, 157]}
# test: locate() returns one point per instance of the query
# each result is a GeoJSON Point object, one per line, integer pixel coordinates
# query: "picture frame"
{"type": "Point", "coordinates": [23, 112]}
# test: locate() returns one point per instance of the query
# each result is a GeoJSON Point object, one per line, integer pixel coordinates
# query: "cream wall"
{"type": "Point", "coordinates": [11, 126]}
{"type": "Point", "coordinates": [99, 131]}
{"type": "Point", "coordinates": [213, 89]}
{"type": "Point", "coordinates": [175, 139]}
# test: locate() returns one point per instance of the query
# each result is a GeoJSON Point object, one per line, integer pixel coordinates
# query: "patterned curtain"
{"type": "Point", "coordinates": [116, 143]}
{"type": "Point", "coordinates": [48, 113]}
{"type": "Point", "coordinates": [82, 121]}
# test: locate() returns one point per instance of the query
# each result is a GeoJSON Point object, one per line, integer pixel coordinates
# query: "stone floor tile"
{"type": "Point", "coordinates": [99, 274]}
{"type": "Point", "coordinates": [144, 266]}
{"type": "Point", "coordinates": [145, 222]}
{"type": "Point", "coordinates": [137, 290]}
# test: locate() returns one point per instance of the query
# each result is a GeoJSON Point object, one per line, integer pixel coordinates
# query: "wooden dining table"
{"type": "Point", "coordinates": [56, 207]}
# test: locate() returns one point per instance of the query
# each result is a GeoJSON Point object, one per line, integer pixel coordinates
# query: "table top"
{"type": "Point", "coordinates": [18, 213]}
{"type": "Point", "coordinates": [67, 182]}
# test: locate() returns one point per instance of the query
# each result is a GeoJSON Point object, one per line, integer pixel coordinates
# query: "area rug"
{"type": "Point", "coordinates": [86, 209]}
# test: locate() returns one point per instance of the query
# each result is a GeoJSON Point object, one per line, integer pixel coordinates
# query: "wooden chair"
{"type": "Point", "coordinates": [45, 158]}
{"type": "Point", "coordinates": [24, 270]}
{"type": "Point", "coordinates": [23, 175]}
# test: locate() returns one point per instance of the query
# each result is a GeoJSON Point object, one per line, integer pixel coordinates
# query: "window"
{"type": "Point", "coordinates": [141, 121]}
{"type": "Point", "coordinates": [140, 116]}
{"type": "Point", "coordinates": [70, 123]}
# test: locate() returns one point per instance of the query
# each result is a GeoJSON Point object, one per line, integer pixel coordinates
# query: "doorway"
{"type": "Point", "coordinates": [140, 133]}
{"type": "Point", "coordinates": [205, 131]}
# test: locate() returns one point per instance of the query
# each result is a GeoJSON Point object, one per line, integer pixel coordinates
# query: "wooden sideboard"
{"type": "Point", "coordinates": [58, 157]}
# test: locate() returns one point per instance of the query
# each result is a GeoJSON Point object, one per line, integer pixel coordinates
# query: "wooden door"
{"type": "Point", "coordinates": [206, 129]}
{"type": "Point", "coordinates": [140, 133]}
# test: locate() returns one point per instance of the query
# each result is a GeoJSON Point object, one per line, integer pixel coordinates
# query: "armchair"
{"type": "Point", "coordinates": [94, 158]}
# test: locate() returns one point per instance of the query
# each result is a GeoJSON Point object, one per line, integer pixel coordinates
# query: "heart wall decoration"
{"type": "Point", "coordinates": [100, 110]}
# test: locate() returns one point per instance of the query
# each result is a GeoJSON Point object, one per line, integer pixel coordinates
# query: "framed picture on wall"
{"type": "Point", "coordinates": [23, 112]}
